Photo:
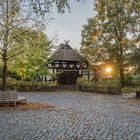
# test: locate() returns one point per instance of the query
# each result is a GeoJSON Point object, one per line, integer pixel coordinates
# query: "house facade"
{"type": "Point", "coordinates": [68, 65]}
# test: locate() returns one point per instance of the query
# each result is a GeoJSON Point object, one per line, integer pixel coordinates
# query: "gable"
{"type": "Point", "coordinates": [67, 53]}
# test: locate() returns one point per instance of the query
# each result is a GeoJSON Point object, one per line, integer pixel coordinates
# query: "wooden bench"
{"type": "Point", "coordinates": [11, 97]}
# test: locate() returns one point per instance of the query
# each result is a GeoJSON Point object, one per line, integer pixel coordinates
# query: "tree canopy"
{"type": "Point", "coordinates": [113, 33]}
{"type": "Point", "coordinates": [135, 59]}
{"type": "Point", "coordinates": [35, 49]}
{"type": "Point", "coordinates": [26, 14]}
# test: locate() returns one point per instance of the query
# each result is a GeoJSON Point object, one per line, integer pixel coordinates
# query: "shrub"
{"type": "Point", "coordinates": [20, 85]}
{"type": "Point", "coordinates": [128, 89]}
{"type": "Point", "coordinates": [103, 86]}
{"type": "Point", "coordinates": [129, 80]}
{"type": "Point", "coordinates": [35, 86]}
{"type": "Point", "coordinates": [24, 86]}
{"type": "Point", "coordinates": [114, 83]}
{"type": "Point", "coordinates": [84, 84]}
{"type": "Point", "coordinates": [11, 83]}
{"type": "Point", "coordinates": [137, 80]}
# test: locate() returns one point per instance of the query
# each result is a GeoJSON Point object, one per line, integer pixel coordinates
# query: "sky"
{"type": "Point", "coordinates": [68, 26]}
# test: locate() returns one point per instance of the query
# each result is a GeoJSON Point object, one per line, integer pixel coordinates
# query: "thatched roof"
{"type": "Point", "coordinates": [67, 53]}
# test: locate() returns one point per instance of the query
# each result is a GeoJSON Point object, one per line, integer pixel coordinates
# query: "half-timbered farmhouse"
{"type": "Point", "coordinates": [68, 64]}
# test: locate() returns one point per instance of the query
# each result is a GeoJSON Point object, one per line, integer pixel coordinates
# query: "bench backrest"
{"type": "Point", "coordinates": [5, 95]}
{"type": "Point", "coordinates": [8, 95]}
{"type": "Point", "coordinates": [13, 94]}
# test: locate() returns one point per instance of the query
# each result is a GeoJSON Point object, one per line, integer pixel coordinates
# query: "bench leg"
{"type": "Point", "coordinates": [24, 101]}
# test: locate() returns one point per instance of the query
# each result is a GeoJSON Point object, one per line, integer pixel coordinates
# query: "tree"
{"type": "Point", "coordinates": [113, 33]}
{"type": "Point", "coordinates": [135, 59]}
{"type": "Point", "coordinates": [34, 58]}
{"type": "Point", "coordinates": [31, 14]}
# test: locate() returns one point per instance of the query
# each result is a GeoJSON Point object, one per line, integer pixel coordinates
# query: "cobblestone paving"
{"type": "Point", "coordinates": [77, 116]}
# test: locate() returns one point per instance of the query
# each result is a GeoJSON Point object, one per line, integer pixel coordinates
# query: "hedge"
{"type": "Point", "coordinates": [103, 86]}
{"type": "Point", "coordinates": [20, 85]}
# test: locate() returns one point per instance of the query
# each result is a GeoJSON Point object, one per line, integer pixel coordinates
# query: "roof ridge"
{"type": "Point", "coordinates": [70, 54]}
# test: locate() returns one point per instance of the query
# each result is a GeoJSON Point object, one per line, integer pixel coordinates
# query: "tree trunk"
{"type": "Point", "coordinates": [138, 94]}
{"type": "Point", "coordinates": [4, 70]}
{"type": "Point", "coordinates": [122, 77]}
{"type": "Point", "coordinates": [4, 76]}
{"type": "Point", "coordinates": [5, 47]}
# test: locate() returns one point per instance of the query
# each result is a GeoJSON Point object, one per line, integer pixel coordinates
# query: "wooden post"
{"type": "Point", "coordinates": [137, 93]}
{"type": "Point", "coordinates": [45, 79]}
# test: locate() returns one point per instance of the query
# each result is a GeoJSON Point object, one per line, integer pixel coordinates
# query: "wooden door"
{"type": "Point", "coordinates": [68, 78]}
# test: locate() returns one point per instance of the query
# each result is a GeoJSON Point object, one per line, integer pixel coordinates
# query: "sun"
{"type": "Point", "coordinates": [108, 70]}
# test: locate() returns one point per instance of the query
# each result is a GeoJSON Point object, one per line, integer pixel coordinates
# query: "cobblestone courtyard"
{"type": "Point", "coordinates": [77, 116]}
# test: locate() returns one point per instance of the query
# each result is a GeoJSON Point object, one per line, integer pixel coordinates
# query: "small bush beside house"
{"type": "Point", "coordinates": [103, 86]}
{"type": "Point", "coordinates": [85, 85]}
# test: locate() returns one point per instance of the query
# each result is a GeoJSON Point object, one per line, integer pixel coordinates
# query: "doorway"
{"type": "Point", "coordinates": [68, 77]}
